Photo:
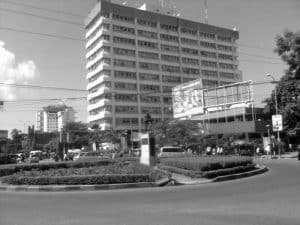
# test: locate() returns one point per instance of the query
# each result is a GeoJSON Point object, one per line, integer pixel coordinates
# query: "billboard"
{"type": "Point", "coordinates": [277, 122]}
{"type": "Point", "coordinates": [229, 94]}
{"type": "Point", "coordinates": [191, 99]}
{"type": "Point", "coordinates": [187, 99]}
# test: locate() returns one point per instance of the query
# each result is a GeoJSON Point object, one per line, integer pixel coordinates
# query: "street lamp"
{"type": "Point", "coordinates": [276, 108]}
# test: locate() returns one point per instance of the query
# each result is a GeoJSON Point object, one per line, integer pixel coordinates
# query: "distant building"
{"type": "Point", "coordinates": [136, 55]}
{"type": "Point", "coordinates": [49, 121]}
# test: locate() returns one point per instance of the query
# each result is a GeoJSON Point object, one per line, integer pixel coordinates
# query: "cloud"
{"type": "Point", "coordinates": [12, 72]}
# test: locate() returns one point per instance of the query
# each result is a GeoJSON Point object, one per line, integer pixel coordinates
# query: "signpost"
{"type": "Point", "coordinates": [277, 122]}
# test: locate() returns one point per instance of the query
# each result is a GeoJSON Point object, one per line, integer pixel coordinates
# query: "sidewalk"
{"type": "Point", "coordinates": [182, 179]}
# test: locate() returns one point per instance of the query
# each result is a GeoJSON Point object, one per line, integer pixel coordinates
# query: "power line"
{"type": "Point", "coordinates": [41, 34]}
{"type": "Point", "coordinates": [254, 46]}
{"type": "Point", "coordinates": [41, 17]}
{"type": "Point", "coordinates": [260, 62]}
{"type": "Point", "coordinates": [45, 9]}
{"type": "Point", "coordinates": [260, 56]}
{"type": "Point", "coordinates": [41, 87]}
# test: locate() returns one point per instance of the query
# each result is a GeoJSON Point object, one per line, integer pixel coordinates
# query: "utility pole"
{"type": "Point", "coordinates": [206, 11]}
{"type": "Point", "coordinates": [276, 110]}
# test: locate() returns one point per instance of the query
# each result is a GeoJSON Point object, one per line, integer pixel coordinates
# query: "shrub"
{"type": "Point", "coordinates": [10, 169]}
{"type": "Point", "coordinates": [76, 180]}
{"type": "Point", "coordinates": [222, 172]}
{"type": "Point", "coordinates": [189, 173]}
{"type": "Point", "coordinates": [207, 163]}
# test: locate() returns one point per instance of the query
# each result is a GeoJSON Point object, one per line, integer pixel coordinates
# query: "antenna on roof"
{"type": "Point", "coordinates": [206, 11]}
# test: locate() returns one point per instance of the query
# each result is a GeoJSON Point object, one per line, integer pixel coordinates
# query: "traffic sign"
{"type": "Point", "coordinates": [277, 122]}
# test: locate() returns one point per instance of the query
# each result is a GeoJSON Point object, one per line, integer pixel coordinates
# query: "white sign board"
{"type": "Point", "coordinates": [277, 122]}
{"type": "Point", "coordinates": [145, 150]}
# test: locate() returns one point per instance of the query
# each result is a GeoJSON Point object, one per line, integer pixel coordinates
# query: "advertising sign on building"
{"type": "Point", "coordinates": [277, 122]}
{"type": "Point", "coordinates": [188, 99]}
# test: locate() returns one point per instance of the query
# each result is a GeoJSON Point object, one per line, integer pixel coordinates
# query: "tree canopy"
{"type": "Point", "coordinates": [288, 88]}
{"type": "Point", "coordinates": [181, 132]}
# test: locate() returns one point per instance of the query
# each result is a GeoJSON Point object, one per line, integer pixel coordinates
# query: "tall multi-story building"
{"type": "Point", "coordinates": [49, 121]}
{"type": "Point", "coordinates": [136, 55]}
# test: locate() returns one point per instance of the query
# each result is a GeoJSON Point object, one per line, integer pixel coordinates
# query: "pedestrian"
{"type": "Point", "coordinates": [208, 150]}
{"type": "Point", "coordinates": [268, 149]}
{"type": "Point", "coordinates": [257, 150]}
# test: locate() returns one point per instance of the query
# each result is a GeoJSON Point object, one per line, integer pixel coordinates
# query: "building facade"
{"type": "Point", "coordinates": [47, 121]}
{"type": "Point", "coordinates": [135, 57]}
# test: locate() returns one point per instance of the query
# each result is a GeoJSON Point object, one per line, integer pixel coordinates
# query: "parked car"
{"type": "Point", "coordinates": [171, 151]}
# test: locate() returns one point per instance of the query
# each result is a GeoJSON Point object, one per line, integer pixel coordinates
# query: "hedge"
{"type": "Point", "coordinates": [189, 173]}
{"type": "Point", "coordinates": [223, 172]}
{"type": "Point", "coordinates": [76, 180]}
{"type": "Point", "coordinates": [11, 169]}
{"type": "Point", "coordinates": [207, 163]}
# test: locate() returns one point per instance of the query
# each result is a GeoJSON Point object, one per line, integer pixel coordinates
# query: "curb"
{"type": "Point", "coordinates": [260, 170]}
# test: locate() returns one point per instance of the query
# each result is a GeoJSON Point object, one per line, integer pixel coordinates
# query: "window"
{"type": "Point", "coordinates": [209, 83]}
{"type": "Point", "coordinates": [126, 97]}
{"type": "Point", "coordinates": [188, 31]}
{"type": "Point", "coordinates": [150, 99]}
{"type": "Point", "coordinates": [126, 109]}
{"type": "Point", "coordinates": [121, 29]}
{"type": "Point", "coordinates": [95, 54]}
{"type": "Point", "coordinates": [227, 75]}
{"type": "Point", "coordinates": [207, 35]}
{"type": "Point", "coordinates": [123, 18]}
{"type": "Point", "coordinates": [122, 51]}
{"type": "Point", "coordinates": [210, 73]}
{"type": "Point", "coordinates": [124, 63]}
{"type": "Point", "coordinates": [148, 55]}
{"type": "Point", "coordinates": [146, 23]}
{"type": "Point", "coordinates": [168, 27]}
{"type": "Point", "coordinates": [167, 100]}
{"type": "Point", "coordinates": [171, 69]}
{"type": "Point", "coordinates": [107, 108]}
{"type": "Point", "coordinates": [97, 75]}
{"type": "Point", "coordinates": [169, 48]}
{"type": "Point", "coordinates": [151, 110]}
{"type": "Point", "coordinates": [170, 58]}
{"type": "Point", "coordinates": [99, 98]}
{"type": "Point", "coordinates": [225, 56]}
{"type": "Point", "coordinates": [122, 40]}
{"type": "Point", "coordinates": [187, 70]}
{"type": "Point", "coordinates": [225, 83]}
{"type": "Point", "coordinates": [208, 54]}
{"type": "Point", "coordinates": [208, 63]}
{"type": "Point", "coordinates": [189, 41]}
{"type": "Point", "coordinates": [225, 48]}
{"type": "Point", "coordinates": [101, 61]}
{"type": "Point", "coordinates": [168, 110]}
{"type": "Point", "coordinates": [127, 121]}
{"type": "Point", "coordinates": [226, 66]}
{"type": "Point", "coordinates": [147, 34]}
{"type": "Point", "coordinates": [171, 79]}
{"type": "Point", "coordinates": [190, 51]}
{"type": "Point", "coordinates": [149, 87]}
{"type": "Point", "coordinates": [126, 86]}
{"type": "Point", "coordinates": [167, 89]}
{"type": "Point", "coordinates": [224, 38]}
{"type": "Point", "coordinates": [167, 37]}
{"type": "Point", "coordinates": [125, 75]}
{"type": "Point", "coordinates": [190, 61]}
{"type": "Point", "coordinates": [147, 44]}
{"type": "Point", "coordinates": [148, 76]}
{"type": "Point", "coordinates": [207, 45]}
{"type": "Point", "coordinates": [105, 84]}
{"type": "Point", "coordinates": [148, 66]}
{"type": "Point", "coordinates": [187, 79]}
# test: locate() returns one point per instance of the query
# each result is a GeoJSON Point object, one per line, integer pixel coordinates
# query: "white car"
{"type": "Point", "coordinates": [171, 151]}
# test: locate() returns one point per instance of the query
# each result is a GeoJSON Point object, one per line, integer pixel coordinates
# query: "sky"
{"type": "Point", "coordinates": [34, 59]}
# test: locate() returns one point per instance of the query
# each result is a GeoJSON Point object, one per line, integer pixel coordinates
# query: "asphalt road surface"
{"type": "Point", "coordinates": [272, 198]}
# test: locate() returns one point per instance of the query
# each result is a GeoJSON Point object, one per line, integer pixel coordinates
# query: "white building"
{"type": "Point", "coordinates": [135, 57]}
{"type": "Point", "coordinates": [53, 121]}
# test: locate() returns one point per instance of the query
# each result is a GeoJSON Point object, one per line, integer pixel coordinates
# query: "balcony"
{"type": "Point", "coordinates": [99, 116]}
{"type": "Point", "coordinates": [101, 67]}
{"type": "Point", "coordinates": [101, 91]}
{"type": "Point", "coordinates": [100, 103]}
{"type": "Point", "coordinates": [101, 31]}
{"type": "Point", "coordinates": [100, 80]}
{"type": "Point", "coordinates": [97, 58]}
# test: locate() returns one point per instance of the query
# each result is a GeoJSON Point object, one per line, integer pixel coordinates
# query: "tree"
{"type": "Point", "coordinates": [17, 137]}
{"type": "Point", "coordinates": [78, 133]}
{"type": "Point", "coordinates": [288, 88]}
{"type": "Point", "coordinates": [55, 108]}
{"type": "Point", "coordinates": [181, 132]}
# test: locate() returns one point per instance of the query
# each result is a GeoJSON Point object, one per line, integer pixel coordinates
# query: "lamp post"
{"type": "Point", "coordinates": [276, 109]}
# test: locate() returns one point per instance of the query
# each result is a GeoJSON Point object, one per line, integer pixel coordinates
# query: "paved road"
{"type": "Point", "coordinates": [269, 199]}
